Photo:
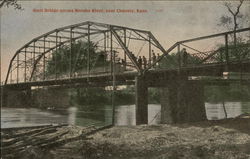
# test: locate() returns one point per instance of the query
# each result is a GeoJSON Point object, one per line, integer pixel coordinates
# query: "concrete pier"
{"type": "Point", "coordinates": [141, 100]}
{"type": "Point", "coordinates": [182, 102]}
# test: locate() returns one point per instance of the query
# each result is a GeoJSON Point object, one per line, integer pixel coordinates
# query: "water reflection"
{"type": "Point", "coordinates": [98, 116]}
{"type": "Point", "coordinates": [215, 111]}
{"type": "Point", "coordinates": [125, 115]}
{"type": "Point", "coordinates": [14, 117]}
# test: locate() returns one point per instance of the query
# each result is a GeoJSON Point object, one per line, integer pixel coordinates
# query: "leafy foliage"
{"type": "Point", "coordinates": [172, 61]}
{"type": "Point", "coordinates": [235, 53]}
{"type": "Point", "coordinates": [233, 92]}
{"type": "Point", "coordinates": [92, 96]}
{"type": "Point", "coordinates": [78, 55]}
{"type": "Point", "coordinates": [59, 63]}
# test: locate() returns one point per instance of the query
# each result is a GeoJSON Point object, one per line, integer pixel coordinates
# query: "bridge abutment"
{"type": "Point", "coordinates": [141, 100]}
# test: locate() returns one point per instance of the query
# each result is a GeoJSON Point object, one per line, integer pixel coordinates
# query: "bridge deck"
{"type": "Point", "coordinates": [152, 76]}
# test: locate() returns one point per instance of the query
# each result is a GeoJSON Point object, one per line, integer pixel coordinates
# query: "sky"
{"type": "Point", "coordinates": [169, 21]}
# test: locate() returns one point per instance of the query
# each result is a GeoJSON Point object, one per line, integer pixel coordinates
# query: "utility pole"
{"type": "Point", "coordinates": [113, 79]}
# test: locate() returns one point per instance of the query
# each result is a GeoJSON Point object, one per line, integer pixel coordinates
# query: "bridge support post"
{"type": "Point", "coordinates": [141, 100]}
{"type": "Point", "coordinates": [168, 99]}
{"type": "Point", "coordinates": [196, 102]}
{"type": "Point", "coordinates": [182, 101]}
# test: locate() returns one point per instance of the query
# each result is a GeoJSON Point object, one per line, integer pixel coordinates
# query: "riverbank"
{"type": "Point", "coordinates": [216, 139]}
{"type": "Point", "coordinates": [224, 139]}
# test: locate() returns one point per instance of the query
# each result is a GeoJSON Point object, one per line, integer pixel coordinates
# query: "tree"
{"type": "Point", "coordinates": [235, 53]}
{"type": "Point", "coordinates": [87, 97]}
{"type": "Point", "coordinates": [227, 21]}
{"type": "Point", "coordinates": [172, 61]}
{"type": "Point", "coordinates": [9, 3]}
{"type": "Point", "coordinates": [79, 57]}
{"type": "Point", "coordinates": [78, 54]}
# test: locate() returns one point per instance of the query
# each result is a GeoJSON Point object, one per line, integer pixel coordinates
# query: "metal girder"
{"type": "Point", "coordinates": [51, 34]}
{"type": "Point", "coordinates": [60, 44]}
{"type": "Point", "coordinates": [40, 47]}
{"type": "Point", "coordinates": [47, 41]}
{"type": "Point", "coordinates": [214, 35]}
{"type": "Point", "coordinates": [74, 32]}
{"type": "Point", "coordinates": [126, 50]}
{"type": "Point", "coordinates": [93, 28]}
{"type": "Point", "coordinates": [191, 48]}
{"type": "Point", "coordinates": [158, 45]}
{"type": "Point", "coordinates": [54, 36]}
{"type": "Point", "coordinates": [83, 28]}
{"type": "Point", "coordinates": [203, 60]}
{"type": "Point", "coordinates": [164, 54]}
{"type": "Point", "coordinates": [31, 52]}
{"type": "Point", "coordinates": [210, 55]}
{"type": "Point", "coordinates": [191, 40]}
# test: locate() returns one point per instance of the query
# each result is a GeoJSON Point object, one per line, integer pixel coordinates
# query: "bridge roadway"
{"type": "Point", "coordinates": [153, 77]}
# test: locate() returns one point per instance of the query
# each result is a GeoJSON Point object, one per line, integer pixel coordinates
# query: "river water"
{"type": "Point", "coordinates": [124, 115]}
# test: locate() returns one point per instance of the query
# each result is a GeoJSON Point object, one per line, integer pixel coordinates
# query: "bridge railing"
{"type": "Point", "coordinates": [223, 48]}
{"type": "Point", "coordinates": [119, 68]}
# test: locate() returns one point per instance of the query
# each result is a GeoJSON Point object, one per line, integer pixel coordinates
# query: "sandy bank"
{"type": "Point", "coordinates": [225, 139]}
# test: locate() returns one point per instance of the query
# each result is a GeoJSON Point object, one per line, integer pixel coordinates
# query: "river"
{"type": "Point", "coordinates": [124, 115]}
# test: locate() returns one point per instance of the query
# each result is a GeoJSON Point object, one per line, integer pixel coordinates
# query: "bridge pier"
{"type": "Point", "coordinates": [168, 100]}
{"type": "Point", "coordinates": [141, 100]}
{"type": "Point", "coordinates": [182, 101]}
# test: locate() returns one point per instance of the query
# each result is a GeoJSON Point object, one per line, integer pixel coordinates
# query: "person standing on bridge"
{"type": "Point", "coordinates": [133, 56]}
{"type": "Point", "coordinates": [158, 57]}
{"type": "Point", "coordinates": [140, 62]}
{"type": "Point", "coordinates": [144, 62]}
{"type": "Point", "coordinates": [153, 57]}
{"type": "Point", "coordinates": [123, 65]}
{"type": "Point", "coordinates": [184, 57]}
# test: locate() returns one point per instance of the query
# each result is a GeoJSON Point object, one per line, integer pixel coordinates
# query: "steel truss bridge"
{"type": "Point", "coordinates": [91, 54]}
{"type": "Point", "coordinates": [39, 62]}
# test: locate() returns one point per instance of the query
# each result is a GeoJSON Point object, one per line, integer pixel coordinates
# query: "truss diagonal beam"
{"type": "Point", "coordinates": [158, 45]}
{"type": "Point", "coordinates": [164, 54]}
{"type": "Point", "coordinates": [60, 44]}
{"type": "Point", "coordinates": [126, 49]}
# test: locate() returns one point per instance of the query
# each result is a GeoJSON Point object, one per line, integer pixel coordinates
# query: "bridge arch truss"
{"type": "Point", "coordinates": [118, 43]}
